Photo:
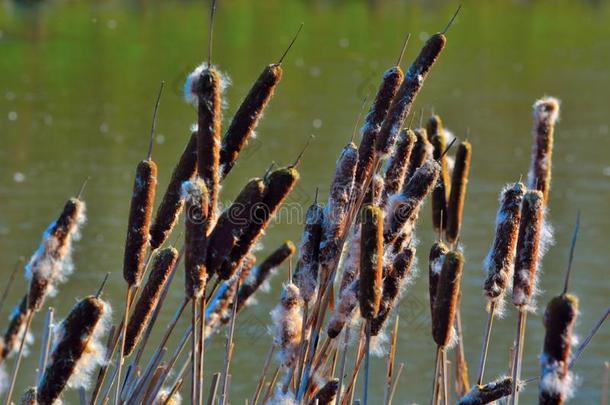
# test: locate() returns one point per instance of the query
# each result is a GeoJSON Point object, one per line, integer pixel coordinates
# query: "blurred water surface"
{"type": "Point", "coordinates": [77, 86]}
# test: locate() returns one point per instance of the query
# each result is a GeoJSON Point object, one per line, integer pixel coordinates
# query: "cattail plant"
{"type": "Point", "coordinates": [306, 275]}
{"type": "Point", "coordinates": [556, 379]}
{"type": "Point", "coordinates": [440, 194]}
{"type": "Point", "coordinates": [172, 202]}
{"type": "Point", "coordinates": [162, 267]}
{"type": "Point", "coordinates": [374, 193]}
{"type": "Point", "coordinates": [438, 251]}
{"type": "Point", "coordinates": [336, 215]}
{"type": "Point", "coordinates": [250, 111]}
{"type": "Point", "coordinates": [195, 194]}
{"type": "Point", "coordinates": [488, 393]}
{"type": "Point", "coordinates": [16, 329]}
{"type": "Point", "coordinates": [457, 195]}
{"type": "Point", "coordinates": [232, 224]}
{"type": "Point", "coordinates": [422, 151]}
{"type": "Point", "coordinates": [393, 283]}
{"type": "Point", "coordinates": [29, 397]}
{"type": "Point", "coordinates": [347, 302]}
{"type": "Point", "coordinates": [371, 271]}
{"type": "Point", "coordinates": [278, 185]}
{"type": "Point", "coordinates": [546, 113]}
{"type": "Point", "coordinates": [326, 394]}
{"type": "Point", "coordinates": [444, 312]}
{"type": "Point", "coordinates": [499, 262]}
{"type": "Point", "coordinates": [77, 349]}
{"type": "Point", "coordinates": [403, 210]}
{"type": "Point", "coordinates": [526, 270]}
{"type": "Point", "coordinates": [287, 320]}
{"type": "Point", "coordinates": [260, 274]}
{"type": "Point", "coordinates": [397, 165]}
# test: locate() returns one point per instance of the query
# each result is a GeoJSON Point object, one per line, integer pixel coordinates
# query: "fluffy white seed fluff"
{"type": "Point", "coordinates": [553, 380]}
{"type": "Point", "coordinates": [4, 381]}
{"type": "Point", "coordinates": [287, 321]}
{"type": "Point", "coordinates": [191, 82]}
{"type": "Point", "coordinates": [161, 398]}
{"type": "Point", "coordinates": [279, 398]}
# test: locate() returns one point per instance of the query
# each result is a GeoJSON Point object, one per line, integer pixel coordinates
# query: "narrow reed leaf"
{"type": "Point", "coordinates": [138, 225]}
{"type": "Point", "coordinates": [445, 303]}
{"type": "Point", "coordinates": [528, 249]}
{"type": "Point", "coordinates": [172, 202]}
{"type": "Point", "coordinates": [457, 196]}
{"type": "Point", "coordinates": [371, 261]}
{"type": "Point", "coordinates": [196, 220]}
{"type": "Point", "coordinates": [546, 114]}
{"type": "Point", "coordinates": [499, 263]}
{"type": "Point", "coordinates": [556, 383]}
{"type": "Point", "coordinates": [408, 91]}
{"type": "Point", "coordinates": [162, 267]}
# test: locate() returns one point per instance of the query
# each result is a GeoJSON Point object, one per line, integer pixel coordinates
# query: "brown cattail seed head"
{"type": "Point", "coordinates": [441, 191]}
{"type": "Point", "coordinates": [306, 276]}
{"type": "Point", "coordinates": [422, 151]}
{"type": "Point", "coordinates": [287, 319]}
{"type": "Point", "coordinates": [278, 185]}
{"type": "Point", "coordinates": [138, 226]}
{"type": "Point", "coordinates": [374, 193]}
{"type": "Point", "coordinates": [392, 79]}
{"type": "Point", "coordinates": [348, 299]}
{"type": "Point", "coordinates": [402, 103]}
{"type": "Point", "coordinates": [164, 263]}
{"type": "Point", "coordinates": [232, 223]}
{"type": "Point", "coordinates": [261, 273]}
{"type": "Point", "coordinates": [499, 263]}
{"type": "Point", "coordinates": [195, 240]}
{"type": "Point", "coordinates": [546, 113]}
{"type": "Point", "coordinates": [488, 393]}
{"type": "Point", "coordinates": [371, 261]}
{"type": "Point", "coordinates": [172, 203]}
{"type": "Point", "coordinates": [51, 263]}
{"type": "Point", "coordinates": [559, 319]}
{"type": "Point", "coordinates": [459, 181]}
{"type": "Point", "coordinates": [435, 265]}
{"type": "Point", "coordinates": [338, 206]}
{"type": "Point", "coordinates": [447, 295]}
{"type": "Point", "coordinates": [15, 330]}
{"type": "Point", "coordinates": [397, 165]}
{"type": "Point", "coordinates": [403, 210]}
{"type": "Point", "coordinates": [326, 395]}
{"type": "Point", "coordinates": [246, 118]}
{"type": "Point", "coordinates": [207, 87]}
{"type": "Point", "coordinates": [76, 333]}
{"type": "Point", "coordinates": [392, 285]}
{"type": "Point", "coordinates": [528, 248]}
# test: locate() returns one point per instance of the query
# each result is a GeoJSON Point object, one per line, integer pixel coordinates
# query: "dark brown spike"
{"type": "Point", "coordinates": [440, 194]}
{"type": "Point", "coordinates": [306, 275]}
{"type": "Point", "coordinates": [571, 257]}
{"type": "Point", "coordinates": [397, 165]}
{"type": "Point", "coordinates": [457, 196]}
{"type": "Point", "coordinates": [164, 263]}
{"type": "Point", "coordinates": [294, 39]}
{"type": "Point", "coordinates": [403, 49]}
{"type": "Point", "coordinates": [138, 225]}
{"type": "Point", "coordinates": [450, 23]}
{"type": "Point", "coordinates": [446, 301]}
{"type": "Point", "coordinates": [435, 263]}
{"type": "Point", "coordinates": [421, 152]}
{"type": "Point", "coordinates": [154, 122]}
{"type": "Point", "coordinates": [546, 113]}
{"type": "Point", "coordinates": [371, 261]}
{"type": "Point", "coordinates": [172, 202]}
{"type": "Point", "coordinates": [297, 161]}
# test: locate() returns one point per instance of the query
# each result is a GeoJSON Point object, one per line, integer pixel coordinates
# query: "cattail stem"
{"type": "Point", "coordinates": [517, 355]}
{"type": "Point", "coordinates": [10, 281]}
{"type": "Point", "coordinates": [201, 358]}
{"type": "Point", "coordinates": [229, 348]}
{"type": "Point", "coordinates": [437, 371]}
{"type": "Point", "coordinates": [261, 380]}
{"type": "Point", "coordinates": [15, 372]}
{"type": "Point", "coordinates": [445, 377]}
{"type": "Point", "coordinates": [342, 367]}
{"type": "Point", "coordinates": [486, 339]}
{"type": "Point", "coordinates": [367, 350]}
{"type": "Point", "coordinates": [45, 344]}
{"type": "Point", "coordinates": [194, 334]}
{"type": "Point", "coordinates": [130, 291]}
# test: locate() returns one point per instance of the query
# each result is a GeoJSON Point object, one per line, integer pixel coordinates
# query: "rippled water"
{"type": "Point", "coordinates": [77, 84]}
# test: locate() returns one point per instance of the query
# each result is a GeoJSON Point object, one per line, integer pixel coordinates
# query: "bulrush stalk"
{"type": "Point", "coordinates": [525, 275]}
{"type": "Point", "coordinates": [403, 209]}
{"type": "Point", "coordinates": [172, 202]}
{"type": "Point", "coordinates": [195, 241]}
{"type": "Point", "coordinates": [287, 321]}
{"type": "Point", "coordinates": [392, 79]}
{"type": "Point", "coordinates": [306, 275]}
{"type": "Point", "coordinates": [546, 113]}
{"type": "Point", "coordinates": [556, 379]}
{"type": "Point", "coordinates": [77, 349]}
{"type": "Point", "coordinates": [457, 196]}
{"type": "Point", "coordinates": [440, 194]}
{"type": "Point", "coordinates": [337, 212]}
{"type": "Point", "coordinates": [232, 224]}
{"type": "Point", "coordinates": [371, 273]}
{"type": "Point", "coordinates": [499, 263]}
{"type": "Point", "coordinates": [409, 89]}
{"type": "Point", "coordinates": [397, 165]}
{"type": "Point", "coordinates": [245, 120]}
{"type": "Point", "coordinates": [435, 265]}
{"type": "Point", "coordinates": [422, 151]}
{"type": "Point", "coordinates": [393, 283]}
{"type": "Point", "coordinates": [488, 393]}
{"type": "Point", "coordinates": [260, 274]}
{"type": "Point", "coordinates": [163, 265]}
{"type": "Point", "coordinates": [278, 185]}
